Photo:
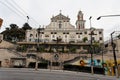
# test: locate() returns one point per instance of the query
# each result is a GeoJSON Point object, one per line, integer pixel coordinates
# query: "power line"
{"type": "Point", "coordinates": [11, 9]}
{"type": "Point", "coordinates": [14, 8]}
{"type": "Point", "coordinates": [17, 9]}
{"type": "Point", "coordinates": [24, 11]}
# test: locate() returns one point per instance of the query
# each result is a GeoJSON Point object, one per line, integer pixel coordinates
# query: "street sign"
{"type": "Point", "coordinates": [56, 57]}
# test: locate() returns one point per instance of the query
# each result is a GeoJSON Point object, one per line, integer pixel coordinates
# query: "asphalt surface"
{"type": "Point", "coordinates": [46, 74]}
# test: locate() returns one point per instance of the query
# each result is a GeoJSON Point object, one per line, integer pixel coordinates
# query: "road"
{"type": "Point", "coordinates": [42, 74]}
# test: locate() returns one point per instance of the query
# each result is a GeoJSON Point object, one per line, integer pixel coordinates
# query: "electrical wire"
{"type": "Point", "coordinates": [18, 10]}
{"type": "Point", "coordinates": [11, 9]}
{"type": "Point", "coordinates": [24, 11]}
{"type": "Point", "coordinates": [15, 8]}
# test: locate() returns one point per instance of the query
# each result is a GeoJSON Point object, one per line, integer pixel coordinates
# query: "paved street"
{"type": "Point", "coordinates": [42, 74]}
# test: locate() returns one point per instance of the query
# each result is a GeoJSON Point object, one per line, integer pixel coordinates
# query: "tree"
{"type": "Point", "coordinates": [14, 33]}
{"type": "Point", "coordinates": [96, 47]}
{"type": "Point", "coordinates": [85, 39]}
{"type": "Point", "coordinates": [7, 28]}
{"type": "Point", "coordinates": [13, 26]}
{"type": "Point", "coordinates": [40, 49]}
{"type": "Point", "coordinates": [72, 49]}
{"type": "Point", "coordinates": [26, 26]}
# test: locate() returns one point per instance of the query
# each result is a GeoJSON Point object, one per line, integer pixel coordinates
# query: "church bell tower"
{"type": "Point", "coordinates": [80, 23]}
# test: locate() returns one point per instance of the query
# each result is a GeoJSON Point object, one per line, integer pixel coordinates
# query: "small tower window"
{"type": "Point", "coordinates": [100, 32]}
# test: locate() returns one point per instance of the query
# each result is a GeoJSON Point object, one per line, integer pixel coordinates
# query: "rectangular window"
{"type": "Point", "coordinates": [65, 36]}
{"type": "Point", "coordinates": [36, 35]}
{"type": "Point", "coordinates": [29, 39]}
{"type": "Point", "coordinates": [100, 32]}
{"type": "Point", "coordinates": [60, 25]}
{"type": "Point", "coordinates": [80, 33]}
{"type": "Point", "coordinates": [85, 32]}
{"type": "Point", "coordinates": [31, 35]}
{"type": "Point", "coordinates": [53, 36]}
{"type": "Point", "coordinates": [93, 38]}
{"type": "Point", "coordinates": [101, 38]}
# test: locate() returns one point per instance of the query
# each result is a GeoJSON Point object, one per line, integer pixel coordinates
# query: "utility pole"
{"type": "Point", "coordinates": [114, 54]}
{"type": "Point", "coordinates": [91, 46]}
{"type": "Point", "coordinates": [112, 43]}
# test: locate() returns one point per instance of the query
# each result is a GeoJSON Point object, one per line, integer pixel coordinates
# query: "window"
{"type": "Point", "coordinates": [36, 35]}
{"type": "Point", "coordinates": [64, 33]}
{"type": "Point", "coordinates": [93, 38]}
{"type": "Point", "coordinates": [51, 32]}
{"type": "Point", "coordinates": [65, 36]}
{"type": "Point", "coordinates": [67, 32]}
{"type": "Point", "coordinates": [31, 35]}
{"type": "Point", "coordinates": [101, 38]}
{"type": "Point", "coordinates": [55, 32]}
{"type": "Point", "coordinates": [60, 25]}
{"type": "Point", "coordinates": [29, 39]}
{"type": "Point", "coordinates": [78, 36]}
{"type": "Point", "coordinates": [53, 36]}
{"type": "Point", "coordinates": [85, 32]}
{"type": "Point", "coordinates": [76, 33]}
{"type": "Point", "coordinates": [80, 33]}
{"type": "Point", "coordinates": [100, 32]}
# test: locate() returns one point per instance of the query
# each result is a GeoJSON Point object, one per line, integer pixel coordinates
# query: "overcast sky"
{"type": "Point", "coordinates": [40, 12]}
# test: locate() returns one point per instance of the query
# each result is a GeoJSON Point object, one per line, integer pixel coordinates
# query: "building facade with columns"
{"type": "Point", "coordinates": [61, 28]}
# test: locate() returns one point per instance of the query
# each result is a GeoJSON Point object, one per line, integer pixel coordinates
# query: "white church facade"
{"type": "Point", "coordinates": [61, 28]}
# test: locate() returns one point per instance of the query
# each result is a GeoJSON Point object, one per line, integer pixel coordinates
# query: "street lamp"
{"type": "Point", "coordinates": [91, 46]}
{"type": "Point", "coordinates": [113, 44]}
{"type": "Point", "coordinates": [107, 16]}
{"type": "Point", "coordinates": [27, 18]}
{"type": "Point", "coordinates": [114, 54]}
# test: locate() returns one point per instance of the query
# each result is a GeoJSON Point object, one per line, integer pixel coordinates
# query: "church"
{"type": "Point", "coordinates": [60, 42]}
{"type": "Point", "coordinates": [61, 29]}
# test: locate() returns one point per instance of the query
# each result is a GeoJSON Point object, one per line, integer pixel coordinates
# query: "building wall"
{"type": "Point", "coordinates": [60, 27]}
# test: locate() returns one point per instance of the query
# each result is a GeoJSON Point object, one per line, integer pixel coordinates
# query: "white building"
{"type": "Point", "coordinates": [61, 28]}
